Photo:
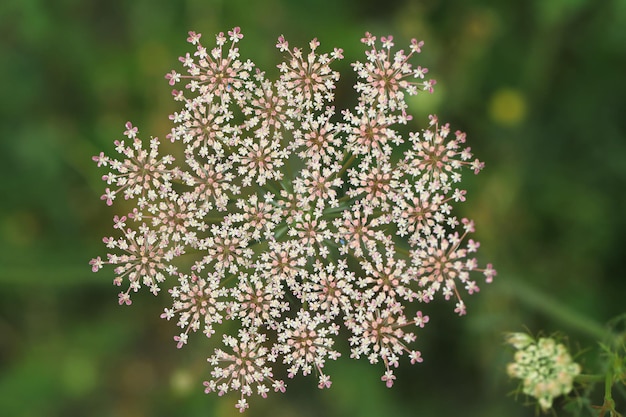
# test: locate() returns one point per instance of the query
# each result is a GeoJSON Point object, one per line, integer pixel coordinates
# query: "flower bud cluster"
{"type": "Point", "coordinates": [544, 366]}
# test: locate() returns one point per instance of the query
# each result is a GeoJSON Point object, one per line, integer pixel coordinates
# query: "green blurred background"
{"type": "Point", "coordinates": [539, 85]}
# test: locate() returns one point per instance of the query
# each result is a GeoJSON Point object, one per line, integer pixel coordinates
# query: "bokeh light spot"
{"type": "Point", "coordinates": [507, 106]}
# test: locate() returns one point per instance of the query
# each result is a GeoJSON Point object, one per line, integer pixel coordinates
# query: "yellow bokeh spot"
{"type": "Point", "coordinates": [507, 106]}
{"type": "Point", "coordinates": [182, 382]}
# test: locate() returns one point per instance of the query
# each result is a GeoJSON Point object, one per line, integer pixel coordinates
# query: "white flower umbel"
{"type": "Point", "coordinates": [286, 224]}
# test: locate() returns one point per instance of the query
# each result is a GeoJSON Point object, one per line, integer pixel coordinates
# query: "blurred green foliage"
{"type": "Point", "coordinates": [538, 85]}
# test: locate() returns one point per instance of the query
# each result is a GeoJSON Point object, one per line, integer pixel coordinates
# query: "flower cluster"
{"type": "Point", "coordinates": [290, 222]}
{"type": "Point", "coordinates": [544, 366]}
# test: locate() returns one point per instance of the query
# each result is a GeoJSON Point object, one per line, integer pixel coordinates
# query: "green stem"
{"type": "Point", "coordinates": [557, 310]}
{"type": "Point", "coordinates": [608, 383]}
{"type": "Point", "coordinates": [587, 378]}
{"type": "Point", "coordinates": [346, 165]}
{"type": "Point", "coordinates": [213, 219]}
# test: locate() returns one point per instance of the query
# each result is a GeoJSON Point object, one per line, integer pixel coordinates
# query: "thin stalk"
{"type": "Point", "coordinates": [557, 310]}
{"type": "Point", "coordinates": [346, 165]}
{"type": "Point", "coordinates": [588, 378]}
